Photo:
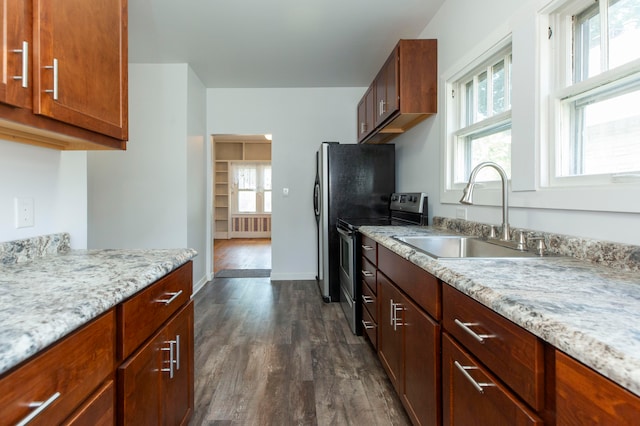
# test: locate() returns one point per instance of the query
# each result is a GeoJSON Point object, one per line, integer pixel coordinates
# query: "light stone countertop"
{"type": "Point", "coordinates": [46, 298]}
{"type": "Point", "coordinates": [588, 311]}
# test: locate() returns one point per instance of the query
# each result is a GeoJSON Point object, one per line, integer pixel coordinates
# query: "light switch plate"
{"type": "Point", "coordinates": [24, 212]}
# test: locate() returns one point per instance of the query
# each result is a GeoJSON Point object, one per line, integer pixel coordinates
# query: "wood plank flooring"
{"type": "Point", "coordinates": [242, 253]}
{"type": "Point", "coordinates": [272, 353]}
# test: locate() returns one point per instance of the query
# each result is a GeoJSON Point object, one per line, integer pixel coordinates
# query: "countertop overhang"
{"type": "Point", "coordinates": [45, 299]}
{"type": "Point", "coordinates": [588, 311]}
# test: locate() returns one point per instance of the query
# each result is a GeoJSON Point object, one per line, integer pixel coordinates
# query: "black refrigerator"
{"type": "Point", "coordinates": [352, 181]}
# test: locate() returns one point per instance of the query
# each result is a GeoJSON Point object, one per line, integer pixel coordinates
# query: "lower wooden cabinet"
{"type": "Point", "coordinates": [409, 349]}
{"type": "Point", "coordinates": [155, 385]}
{"type": "Point", "coordinates": [98, 410]}
{"type": "Point", "coordinates": [473, 396]}
{"type": "Point", "coordinates": [584, 397]}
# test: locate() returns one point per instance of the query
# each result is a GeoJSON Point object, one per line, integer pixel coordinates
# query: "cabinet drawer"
{"type": "Point", "coordinates": [63, 375]}
{"type": "Point", "coordinates": [141, 315]}
{"type": "Point", "coordinates": [370, 327]}
{"type": "Point", "coordinates": [368, 274]}
{"type": "Point", "coordinates": [421, 286]}
{"type": "Point", "coordinates": [369, 301]}
{"type": "Point", "coordinates": [98, 410]}
{"type": "Point", "coordinates": [511, 352]}
{"type": "Point", "coordinates": [472, 395]}
{"type": "Point", "coordinates": [369, 249]}
{"type": "Point", "coordinates": [584, 397]}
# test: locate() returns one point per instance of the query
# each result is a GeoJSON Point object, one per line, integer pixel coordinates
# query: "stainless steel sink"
{"type": "Point", "coordinates": [460, 247]}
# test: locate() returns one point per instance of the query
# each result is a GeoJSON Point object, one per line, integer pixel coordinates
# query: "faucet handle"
{"type": "Point", "coordinates": [541, 246]}
{"type": "Point", "coordinates": [522, 241]}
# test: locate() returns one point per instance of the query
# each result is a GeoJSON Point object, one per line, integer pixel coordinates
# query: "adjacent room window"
{"type": "Point", "coordinates": [252, 183]}
{"type": "Point", "coordinates": [481, 107]}
{"type": "Point", "coordinates": [595, 95]}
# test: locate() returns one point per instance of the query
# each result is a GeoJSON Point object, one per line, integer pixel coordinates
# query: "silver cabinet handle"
{"type": "Point", "coordinates": [39, 406]}
{"type": "Point", "coordinates": [367, 273]}
{"type": "Point", "coordinates": [177, 352]}
{"type": "Point", "coordinates": [53, 67]}
{"type": "Point", "coordinates": [171, 358]}
{"type": "Point", "coordinates": [392, 312]}
{"type": "Point", "coordinates": [465, 326]}
{"type": "Point", "coordinates": [363, 127]}
{"type": "Point", "coordinates": [367, 299]}
{"type": "Point", "coordinates": [366, 248]}
{"type": "Point", "coordinates": [173, 297]}
{"type": "Point", "coordinates": [396, 323]}
{"type": "Point", "coordinates": [25, 64]}
{"type": "Point", "coordinates": [368, 325]}
{"type": "Point", "coordinates": [479, 386]}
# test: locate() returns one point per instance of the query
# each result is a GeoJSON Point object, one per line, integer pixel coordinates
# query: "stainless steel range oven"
{"type": "Point", "coordinates": [404, 209]}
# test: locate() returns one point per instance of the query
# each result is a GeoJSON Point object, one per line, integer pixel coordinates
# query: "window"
{"type": "Point", "coordinates": [596, 137]}
{"type": "Point", "coordinates": [252, 184]}
{"type": "Point", "coordinates": [481, 127]}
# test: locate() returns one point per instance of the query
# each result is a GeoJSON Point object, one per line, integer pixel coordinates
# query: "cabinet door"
{"type": "Point", "coordinates": [16, 66]}
{"type": "Point", "coordinates": [421, 393]}
{"type": "Point", "coordinates": [139, 385]}
{"type": "Point", "coordinates": [390, 302]}
{"type": "Point", "coordinates": [472, 395]}
{"type": "Point", "coordinates": [366, 114]}
{"type": "Point", "coordinates": [81, 63]}
{"type": "Point", "coordinates": [178, 390]}
{"type": "Point", "coordinates": [98, 410]}
{"type": "Point", "coordinates": [387, 89]}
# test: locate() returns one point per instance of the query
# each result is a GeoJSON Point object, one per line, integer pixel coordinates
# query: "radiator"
{"type": "Point", "coordinates": [251, 226]}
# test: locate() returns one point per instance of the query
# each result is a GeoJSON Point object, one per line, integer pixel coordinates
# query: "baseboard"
{"type": "Point", "coordinates": [199, 285]}
{"type": "Point", "coordinates": [292, 277]}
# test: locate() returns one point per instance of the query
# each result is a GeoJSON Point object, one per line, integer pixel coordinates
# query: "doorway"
{"type": "Point", "coordinates": [241, 205]}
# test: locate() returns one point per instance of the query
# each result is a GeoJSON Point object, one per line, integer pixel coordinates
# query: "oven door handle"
{"type": "Point", "coordinates": [344, 232]}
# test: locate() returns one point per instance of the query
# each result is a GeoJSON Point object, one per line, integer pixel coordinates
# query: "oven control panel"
{"type": "Point", "coordinates": [414, 202]}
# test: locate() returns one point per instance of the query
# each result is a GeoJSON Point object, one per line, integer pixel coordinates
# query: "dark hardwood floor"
{"type": "Point", "coordinates": [272, 353]}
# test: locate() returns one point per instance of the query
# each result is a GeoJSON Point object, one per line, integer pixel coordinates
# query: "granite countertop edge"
{"type": "Point", "coordinates": [36, 310]}
{"type": "Point", "coordinates": [600, 334]}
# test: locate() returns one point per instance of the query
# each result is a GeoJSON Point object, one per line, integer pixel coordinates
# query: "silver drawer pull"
{"type": "Point", "coordinates": [177, 352]}
{"type": "Point", "coordinates": [368, 325]}
{"type": "Point", "coordinates": [366, 248]}
{"type": "Point", "coordinates": [479, 386]}
{"type": "Point", "coordinates": [25, 64]}
{"type": "Point", "coordinates": [367, 273]}
{"type": "Point", "coordinates": [173, 297]}
{"type": "Point", "coordinates": [367, 299]}
{"type": "Point", "coordinates": [54, 67]}
{"type": "Point", "coordinates": [465, 326]}
{"type": "Point", "coordinates": [39, 406]}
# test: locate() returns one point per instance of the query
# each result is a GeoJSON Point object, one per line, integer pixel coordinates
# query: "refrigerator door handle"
{"type": "Point", "coordinates": [316, 199]}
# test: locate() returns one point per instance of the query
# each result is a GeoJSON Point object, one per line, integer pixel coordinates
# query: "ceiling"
{"type": "Point", "coordinates": [275, 43]}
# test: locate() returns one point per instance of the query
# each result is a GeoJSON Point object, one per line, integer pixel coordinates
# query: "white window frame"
{"type": "Point", "coordinates": [455, 116]}
{"type": "Point", "coordinates": [260, 190]}
{"type": "Point", "coordinates": [559, 69]}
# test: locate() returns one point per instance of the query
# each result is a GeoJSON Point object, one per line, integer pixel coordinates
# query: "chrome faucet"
{"type": "Point", "coordinates": [467, 196]}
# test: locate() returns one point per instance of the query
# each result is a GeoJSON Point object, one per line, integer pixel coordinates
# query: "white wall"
{"type": "Point", "coordinates": [57, 183]}
{"type": "Point", "coordinates": [299, 119]}
{"type": "Point", "coordinates": [419, 153]}
{"type": "Point", "coordinates": [143, 197]}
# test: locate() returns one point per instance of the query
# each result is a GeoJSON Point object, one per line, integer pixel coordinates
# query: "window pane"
{"type": "Point", "coordinates": [266, 178]}
{"type": "Point", "coordinates": [468, 104]}
{"type": "Point", "coordinates": [498, 88]}
{"type": "Point", "coordinates": [494, 146]}
{"type": "Point", "coordinates": [624, 31]}
{"type": "Point", "coordinates": [482, 97]}
{"type": "Point", "coordinates": [247, 201]}
{"type": "Point", "coordinates": [247, 178]}
{"type": "Point", "coordinates": [607, 137]}
{"type": "Point", "coordinates": [267, 201]}
{"type": "Point", "coordinates": [587, 44]}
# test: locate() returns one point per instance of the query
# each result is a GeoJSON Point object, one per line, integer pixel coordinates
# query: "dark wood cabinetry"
{"type": "Point", "coordinates": [74, 54]}
{"type": "Point", "coordinates": [404, 92]}
{"type": "Point", "coordinates": [369, 288]}
{"type": "Point", "coordinates": [15, 36]}
{"type": "Point", "coordinates": [408, 336]}
{"type": "Point", "coordinates": [584, 397]}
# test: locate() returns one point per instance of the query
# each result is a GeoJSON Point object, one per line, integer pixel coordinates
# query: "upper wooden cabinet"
{"type": "Point", "coordinates": [77, 67]}
{"type": "Point", "coordinates": [405, 91]}
{"type": "Point", "coordinates": [366, 114]}
{"type": "Point", "coordinates": [16, 82]}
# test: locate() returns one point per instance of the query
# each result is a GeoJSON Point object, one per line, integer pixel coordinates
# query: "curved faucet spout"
{"type": "Point", "coordinates": [467, 194]}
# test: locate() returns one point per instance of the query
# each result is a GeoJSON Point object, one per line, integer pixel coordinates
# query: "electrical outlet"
{"type": "Point", "coordinates": [461, 213]}
{"type": "Point", "coordinates": [24, 212]}
{"type": "Point", "coordinates": [285, 192]}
